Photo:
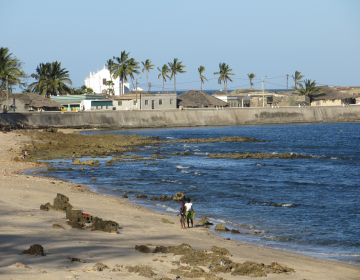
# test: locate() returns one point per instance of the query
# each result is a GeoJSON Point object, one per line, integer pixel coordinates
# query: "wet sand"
{"type": "Point", "coordinates": [23, 224]}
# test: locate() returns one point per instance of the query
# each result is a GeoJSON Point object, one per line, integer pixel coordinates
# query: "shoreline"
{"type": "Point", "coordinates": [24, 224]}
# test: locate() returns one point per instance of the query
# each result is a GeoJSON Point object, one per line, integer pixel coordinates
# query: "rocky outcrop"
{"type": "Point", "coordinates": [179, 197]}
{"type": "Point", "coordinates": [77, 219]}
{"type": "Point", "coordinates": [218, 262]}
{"type": "Point", "coordinates": [61, 203]}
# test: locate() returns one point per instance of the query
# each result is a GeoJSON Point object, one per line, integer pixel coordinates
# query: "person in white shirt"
{"type": "Point", "coordinates": [189, 212]}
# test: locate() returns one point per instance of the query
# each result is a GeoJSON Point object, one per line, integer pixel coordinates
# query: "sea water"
{"type": "Point", "coordinates": [309, 206]}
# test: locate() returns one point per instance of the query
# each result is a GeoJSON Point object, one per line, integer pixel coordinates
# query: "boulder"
{"type": "Point", "coordinates": [143, 249]}
{"type": "Point", "coordinates": [35, 250]}
{"type": "Point", "coordinates": [76, 162]}
{"type": "Point", "coordinates": [221, 227]}
{"type": "Point", "coordinates": [106, 226]}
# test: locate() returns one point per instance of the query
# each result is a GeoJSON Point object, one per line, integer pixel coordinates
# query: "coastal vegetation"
{"type": "Point", "coordinates": [124, 67]}
{"type": "Point", "coordinates": [309, 89]}
{"type": "Point", "coordinates": [201, 70]}
{"type": "Point", "coordinates": [224, 73]}
{"type": "Point", "coordinates": [164, 71]}
{"type": "Point", "coordinates": [10, 70]}
{"type": "Point", "coordinates": [175, 68]}
{"type": "Point", "coordinates": [51, 79]}
{"type": "Point", "coordinates": [147, 67]}
{"type": "Point", "coordinates": [297, 79]}
{"type": "Point", "coordinates": [251, 76]}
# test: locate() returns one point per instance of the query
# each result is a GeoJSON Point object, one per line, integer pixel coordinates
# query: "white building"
{"type": "Point", "coordinates": [97, 81]}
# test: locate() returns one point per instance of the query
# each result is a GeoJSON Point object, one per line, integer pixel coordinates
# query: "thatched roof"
{"type": "Point", "coordinates": [198, 99]}
{"type": "Point", "coordinates": [36, 101]}
{"type": "Point", "coordinates": [331, 94]}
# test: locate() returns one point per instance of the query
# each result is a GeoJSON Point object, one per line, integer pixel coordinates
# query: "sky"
{"type": "Point", "coordinates": [319, 38]}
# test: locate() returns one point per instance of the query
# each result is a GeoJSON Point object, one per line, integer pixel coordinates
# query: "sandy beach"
{"type": "Point", "coordinates": [24, 224]}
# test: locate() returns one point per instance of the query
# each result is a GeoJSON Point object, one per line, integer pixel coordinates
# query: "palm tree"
{"type": "Point", "coordinates": [10, 68]}
{"type": "Point", "coordinates": [51, 79]}
{"type": "Point", "coordinates": [224, 73]}
{"type": "Point", "coordinates": [164, 74]}
{"type": "Point", "coordinates": [310, 88]}
{"type": "Point", "coordinates": [201, 69]}
{"type": "Point", "coordinates": [147, 67]}
{"type": "Point", "coordinates": [41, 77]}
{"type": "Point", "coordinates": [297, 79]}
{"type": "Point", "coordinates": [251, 77]}
{"type": "Point", "coordinates": [132, 69]}
{"type": "Point", "coordinates": [120, 68]}
{"type": "Point", "coordinates": [175, 68]}
{"type": "Point", "coordinates": [110, 66]}
{"type": "Point", "coordinates": [58, 78]}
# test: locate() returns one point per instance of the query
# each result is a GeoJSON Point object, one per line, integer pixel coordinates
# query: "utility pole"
{"type": "Point", "coordinates": [7, 93]}
{"type": "Point", "coordinates": [287, 81]}
{"type": "Point", "coordinates": [136, 93]}
{"type": "Point", "coordinates": [263, 92]}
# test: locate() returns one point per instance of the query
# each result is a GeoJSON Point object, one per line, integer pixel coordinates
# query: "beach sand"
{"type": "Point", "coordinates": [23, 224]}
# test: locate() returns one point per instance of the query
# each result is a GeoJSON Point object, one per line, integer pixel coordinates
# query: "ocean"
{"type": "Point", "coordinates": [308, 206]}
{"type": "Point", "coordinates": [211, 91]}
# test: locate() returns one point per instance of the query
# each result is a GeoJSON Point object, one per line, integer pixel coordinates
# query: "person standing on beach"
{"type": "Point", "coordinates": [25, 154]}
{"type": "Point", "coordinates": [189, 212]}
{"type": "Point", "coordinates": [73, 156]}
{"type": "Point", "coordinates": [182, 215]}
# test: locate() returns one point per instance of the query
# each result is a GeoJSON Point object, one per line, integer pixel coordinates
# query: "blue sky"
{"type": "Point", "coordinates": [319, 38]}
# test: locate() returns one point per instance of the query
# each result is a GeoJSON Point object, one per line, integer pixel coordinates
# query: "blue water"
{"type": "Point", "coordinates": [211, 91]}
{"type": "Point", "coordinates": [320, 196]}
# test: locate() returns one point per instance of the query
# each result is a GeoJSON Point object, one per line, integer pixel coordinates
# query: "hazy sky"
{"type": "Point", "coordinates": [319, 38]}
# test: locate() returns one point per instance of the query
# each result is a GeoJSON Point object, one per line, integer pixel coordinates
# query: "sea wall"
{"type": "Point", "coordinates": [184, 118]}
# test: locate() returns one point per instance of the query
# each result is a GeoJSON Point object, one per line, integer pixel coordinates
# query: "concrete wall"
{"type": "Point", "coordinates": [185, 118]}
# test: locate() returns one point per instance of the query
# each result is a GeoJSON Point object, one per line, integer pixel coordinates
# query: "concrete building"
{"type": "Point", "coordinates": [84, 102]}
{"type": "Point", "coordinates": [140, 100]}
{"type": "Point", "coordinates": [97, 81]}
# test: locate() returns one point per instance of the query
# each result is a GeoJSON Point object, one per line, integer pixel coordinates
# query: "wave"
{"type": "Point", "coordinates": [169, 209]}
{"type": "Point", "coordinates": [194, 187]}
{"type": "Point", "coordinates": [182, 167]}
{"type": "Point", "coordinates": [274, 204]}
{"type": "Point", "coordinates": [184, 171]}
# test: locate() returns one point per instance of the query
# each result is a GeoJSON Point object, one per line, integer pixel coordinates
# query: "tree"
{"type": "Point", "coordinates": [201, 69]}
{"type": "Point", "coordinates": [132, 69]}
{"type": "Point", "coordinates": [251, 77]}
{"type": "Point", "coordinates": [224, 73]}
{"type": "Point", "coordinates": [175, 68]}
{"type": "Point", "coordinates": [81, 90]}
{"type": "Point", "coordinates": [110, 84]}
{"type": "Point", "coordinates": [147, 67]}
{"type": "Point", "coordinates": [51, 79]}
{"type": "Point", "coordinates": [41, 77]}
{"type": "Point", "coordinates": [123, 67]}
{"type": "Point", "coordinates": [10, 69]}
{"type": "Point", "coordinates": [110, 66]}
{"type": "Point", "coordinates": [309, 89]}
{"type": "Point", "coordinates": [297, 79]}
{"type": "Point", "coordinates": [164, 74]}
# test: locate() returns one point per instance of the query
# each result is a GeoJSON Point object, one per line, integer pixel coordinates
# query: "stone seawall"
{"type": "Point", "coordinates": [184, 118]}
